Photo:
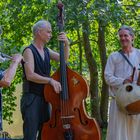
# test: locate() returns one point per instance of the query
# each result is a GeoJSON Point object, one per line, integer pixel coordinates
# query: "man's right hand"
{"type": "Point", "coordinates": [56, 85]}
{"type": "Point", "coordinates": [17, 58]}
{"type": "Point", "coordinates": [128, 80]}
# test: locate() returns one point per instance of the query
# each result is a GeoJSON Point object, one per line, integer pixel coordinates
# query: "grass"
{"type": "Point", "coordinates": [103, 133]}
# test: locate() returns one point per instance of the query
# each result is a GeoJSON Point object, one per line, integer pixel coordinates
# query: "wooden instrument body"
{"type": "Point", "coordinates": [68, 118]}
{"type": "Point", "coordinates": [82, 127]}
{"type": "Point", "coordinates": [128, 98]}
{"type": "Point", "coordinates": [133, 108]}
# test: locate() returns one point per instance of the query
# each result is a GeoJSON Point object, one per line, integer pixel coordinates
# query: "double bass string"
{"type": "Point", "coordinates": [64, 93]}
{"type": "Point", "coordinates": [65, 108]}
{"type": "Point", "coordinates": [64, 102]}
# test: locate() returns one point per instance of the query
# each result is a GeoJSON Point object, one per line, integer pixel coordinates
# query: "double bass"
{"type": "Point", "coordinates": [68, 118]}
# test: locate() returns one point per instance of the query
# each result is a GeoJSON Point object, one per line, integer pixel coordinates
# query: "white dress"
{"type": "Point", "coordinates": [121, 126]}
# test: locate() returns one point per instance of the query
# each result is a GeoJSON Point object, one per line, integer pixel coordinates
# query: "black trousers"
{"type": "Point", "coordinates": [35, 111]}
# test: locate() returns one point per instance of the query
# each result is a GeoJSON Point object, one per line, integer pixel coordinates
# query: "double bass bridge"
{"type": "Point", "coordinates": [67, 125]}
{"type": "Point", "coordinates": [67, 117]}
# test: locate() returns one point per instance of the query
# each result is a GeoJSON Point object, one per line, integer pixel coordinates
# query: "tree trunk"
{"type": "Point", "coordinates": [104, 90]}
{"type": "Point", "coordinates": [93, 73]}
{"type": "Point", "coordinates": [80, 52]}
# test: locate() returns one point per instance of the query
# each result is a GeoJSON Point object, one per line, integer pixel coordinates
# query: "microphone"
{"type": "Point", "coordinates": [4, 57]}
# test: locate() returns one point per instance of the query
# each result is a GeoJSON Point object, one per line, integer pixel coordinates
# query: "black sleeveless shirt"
{"type": "Point", "coordinates": [41, 67]}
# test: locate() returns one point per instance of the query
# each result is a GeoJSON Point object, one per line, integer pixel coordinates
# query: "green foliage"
{"type": "Point", "coordinates": [9, 103]}
{"type": "Point", "coordinates": [103, 133]}
{"type": "Point", "coordinates": [18, 16]}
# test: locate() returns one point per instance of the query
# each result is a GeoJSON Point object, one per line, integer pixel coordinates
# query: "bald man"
{"type": "Point", "coordinates": [35, 111]}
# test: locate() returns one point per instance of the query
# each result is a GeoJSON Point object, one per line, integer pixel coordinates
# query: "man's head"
{"type": "Point", "coordinates": [42, 30]}
{"type": "Point", "coordinates": [126, 36]}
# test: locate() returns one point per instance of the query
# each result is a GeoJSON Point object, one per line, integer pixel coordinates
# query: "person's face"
{"type": "Point", "coordinates": [45, 33]}
{"type": "Point", "coordinates": [125, 38]}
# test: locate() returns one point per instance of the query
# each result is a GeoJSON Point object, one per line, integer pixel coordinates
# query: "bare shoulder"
{"type": "Point", "coordinates": [27, 50]}
{"type": "Point", "coordinates": [28, 56]}
{"type": "Point", "coordinates": [27, 53]}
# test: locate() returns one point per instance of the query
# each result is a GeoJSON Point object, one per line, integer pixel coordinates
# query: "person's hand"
{"type": "Point", "coordinates": [17, 58]}
{"type": "Point", "coordinates": [62, 37]}
{"type": "Point", "coordinates": [128, 80]}
{"type": "Point", "coordinates": [55, 84]}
